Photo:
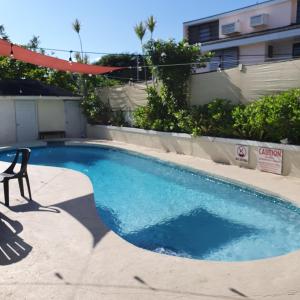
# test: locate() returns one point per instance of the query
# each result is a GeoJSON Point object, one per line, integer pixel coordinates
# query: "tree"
{"type": "Point", "coordinates": [150, 24]}
{"type": "Point", "coordinates": [82, 79]}
{"type": "Point", "coordinates": [14, 69]}
{"type": "Point", "coordinates": [77, 28]}
{"type": "Point", "coordinates": [34, 43]}
{"type": "Point", "coordinates": [3, 34]}
{"type": "Point", "coordinates": [178, 59]}
{"type": "Point", "coordinates": [127, 60]}
{"type": "Point", "coordinates": [84, 59]}
{"type": "Point", "coordinates": [62, 79]}
{"type": "Point", "coordinates": [172, 62]}
{"type": "Point", "coordinates": [140, 31]}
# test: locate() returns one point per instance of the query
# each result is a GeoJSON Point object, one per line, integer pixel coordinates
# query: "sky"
{"type": "Point", "coordinates": [107, 25]}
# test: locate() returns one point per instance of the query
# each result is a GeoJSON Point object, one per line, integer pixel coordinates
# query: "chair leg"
{"type": "Point", "coordinates": [28, 186]}
{"type": "Point", "coordinates": [21, 186]}
{"type": "Point", "coordinates": [6, 192]}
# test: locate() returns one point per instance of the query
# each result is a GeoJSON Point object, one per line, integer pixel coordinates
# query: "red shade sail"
{"type": "Point", "coordinates": [28, 56]}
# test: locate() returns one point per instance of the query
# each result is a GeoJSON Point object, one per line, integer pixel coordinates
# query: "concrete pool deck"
{"type": "Point", "coordinates": [56, 247]}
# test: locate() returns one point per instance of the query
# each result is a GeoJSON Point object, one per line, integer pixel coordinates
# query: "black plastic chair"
{"type": "Point", "coordinates": [22, 173]}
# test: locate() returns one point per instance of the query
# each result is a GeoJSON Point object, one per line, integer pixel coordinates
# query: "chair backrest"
{"type": "Point", "coordinates": [25, 152]}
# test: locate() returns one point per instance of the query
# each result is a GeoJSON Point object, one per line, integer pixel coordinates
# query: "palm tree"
{"type": "Point", "coordinates": [34, 43]}
{"type": "Point", "coordinates": [83, 59]}
{"type": "Point", "coordinates": [77, 27]}
{"type": "Point", "coordinates": [140, 31]}
{"type": "Point", "coordinates": [150, 24]}
{"type": "Point", "coordinates": [3, 34]}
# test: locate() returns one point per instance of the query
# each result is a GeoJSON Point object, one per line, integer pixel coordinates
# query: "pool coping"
{"type": "Point", "coordinates": [276, 277]}
{"type": "Point", "coordinates": [156, 154]}
{"type": "Point", "coordinates": [181, 166]}
{"type": "Point", "coordinates": [267, 195]}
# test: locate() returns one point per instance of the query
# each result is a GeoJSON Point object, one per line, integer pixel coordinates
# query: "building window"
{"type": "Point", "coordinates": [203, 32]}
{"type": "Point", "coordinates": [270, 51]}
{"type": "Point", "coordinates": [225, 59]}
{"type": "Point", "coordinates": [296, 50]}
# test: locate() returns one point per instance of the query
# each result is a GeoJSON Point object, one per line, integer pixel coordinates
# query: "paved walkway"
{"type": "Point", "coordinates": [56, 247]}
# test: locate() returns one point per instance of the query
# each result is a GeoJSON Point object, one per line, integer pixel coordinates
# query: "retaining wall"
{"type": "Point", "coordinates": [219, 150]}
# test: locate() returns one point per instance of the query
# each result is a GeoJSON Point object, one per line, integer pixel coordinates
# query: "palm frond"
{"type": "Point", "coordinates": [140, 30]}
{"type": "Point", "coordinates": [151, 23]}
{"type": "Point", "coordinates": [76, 25]}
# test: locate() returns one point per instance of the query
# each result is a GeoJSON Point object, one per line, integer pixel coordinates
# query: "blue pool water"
{"type": "Point", "coordinates": [175, 211]}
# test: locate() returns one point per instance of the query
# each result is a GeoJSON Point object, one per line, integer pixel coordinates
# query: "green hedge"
{"type": "Point", "coordinates": [271, 118]}
{"type": "Point", "coordinates": [100, 112]}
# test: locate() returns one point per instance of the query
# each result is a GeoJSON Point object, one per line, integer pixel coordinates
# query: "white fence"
{"type": "Point", "coordinates": [240, 85]}
{"type": "Point", "coordinates": [245, 83]}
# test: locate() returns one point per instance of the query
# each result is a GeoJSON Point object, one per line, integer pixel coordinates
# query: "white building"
{"type": "Point", "coordinates": [255, 34]}
{"type": "Point", "coordinates": [30, 109]}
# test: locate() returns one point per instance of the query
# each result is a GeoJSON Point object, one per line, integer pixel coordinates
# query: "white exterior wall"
{"type": "Point", "coordinates": [280, 15]}
{"type": "Point", "coordinates": [51, 116]}
{"type": "Point", "coordinates": [7, 121]}
{"type": "Point", "coordinates": [294, 11]}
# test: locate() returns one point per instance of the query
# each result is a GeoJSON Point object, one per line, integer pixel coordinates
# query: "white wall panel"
{"type": "Point", "coordinates": [7, 122]}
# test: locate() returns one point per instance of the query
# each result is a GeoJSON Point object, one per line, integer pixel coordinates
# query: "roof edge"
{"type": "Point", "coordinates": [253, 34]}
{"type": "Point", "coordinates": [217, 16]}
{"type": "Point", "coordinates": [35, 97]}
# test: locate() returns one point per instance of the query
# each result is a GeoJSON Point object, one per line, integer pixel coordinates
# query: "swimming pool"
{"type": "Point", "coordinates": [173, 210]}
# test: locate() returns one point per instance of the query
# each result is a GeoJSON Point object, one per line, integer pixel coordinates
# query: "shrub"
{"type": "Point", "coordinates": [100, 112]}
{"type": "Point", "coordinates": [96, 111]}
{"type": "Point", "coordinates": [140, 118]}
{"type": "Point", "coordinates": [217, 118]}
{"type": "Point", "coordinates": [185, 122]}
{"type": "Point", "coordinates": [118, 119]}
{"type": "Point", "coordinates": [158, 113]}
{"type": "Point", "coordinates": [214, 118]}
{"type": "Point", "coordinates": [272, 118]}
{"type": "Point", "coordinates": [171, 63]}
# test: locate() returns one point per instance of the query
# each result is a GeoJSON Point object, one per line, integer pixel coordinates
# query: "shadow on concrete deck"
{"type": "Point", "coordinates": [143, 289]}
{"type": "Point", "coordinates": [83, 209]}
{"type": "Point", "coordinates": [12, 247]}
{"type": "Point", "coordinates": [32, 205]}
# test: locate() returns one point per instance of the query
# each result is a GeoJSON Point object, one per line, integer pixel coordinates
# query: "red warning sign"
{"type": "Point", "coordinates": [270, 160]}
